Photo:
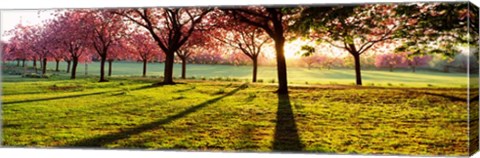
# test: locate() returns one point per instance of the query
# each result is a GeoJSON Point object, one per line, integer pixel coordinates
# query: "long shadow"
{"type": "Point", "coordinates": [451, 98]}
{"type": "Point", "coordinates": [55, 98]}
{"type": "Point", "coordinates": [73, 96]}
{"type": "Point", "coordinates": [109, 138]}
{"type": "Point", "coordinates": [286, 134]}
{"type": "Point", "coordinates": [22, 93]}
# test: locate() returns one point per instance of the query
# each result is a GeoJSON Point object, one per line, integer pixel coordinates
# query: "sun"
{"type": "Point", "coordinates": [291, 49]}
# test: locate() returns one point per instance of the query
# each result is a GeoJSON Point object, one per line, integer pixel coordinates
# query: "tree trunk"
{"type": "Point", "coordinates": [23, 62]}
{"type": "Point", "coordinates": [68, 66]}
{"type": "Point", "coordinates": [102, 69]}
{"type": "Point", "coordinates": [56, 66]}
{"type": "Point", "coordinates": [144, 68]}
{"type": "Point", "coordinates": [86, 69]}
{"type": "Point", "coordinates": [184, 68]}
{"type": "Point", "coordinates": [413, 69]}
{"type": "Point", "coordinates": [44, 66]}
{"type": "Point", "coordinates": [35, 64]}
{"type": "Point", "coordinates": [18, 62]}
{"type": "Point", "coordinates": [391, 68]}
{"type": "Point", "coordinates": [41, 64]}
{"type": "Point", "coordinates": [110, 67]}
{"type": "Point", "coordinates": [74, 68]}
{"type": "Point", "coordinates": [281, 66]}
{"type": "Point", "coordinates": [168, 73]}
{"type": "Point", "coordinates": [358, 73]}
{"type": "Point", "coordinates": [255, 66]}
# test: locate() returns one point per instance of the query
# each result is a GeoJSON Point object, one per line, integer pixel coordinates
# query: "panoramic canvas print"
{"type": "Point", "coordinates": [387, 78]}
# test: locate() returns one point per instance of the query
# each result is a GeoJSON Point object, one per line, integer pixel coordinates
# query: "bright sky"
{"type": "Point", "coordinates": [10, 18]}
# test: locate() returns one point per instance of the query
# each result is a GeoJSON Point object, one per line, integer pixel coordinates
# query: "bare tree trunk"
{"type": "Point", "coordinates": [184, 67]}
{"type": "Point", "coordinates": [74, 68]}
{"type": "Point", "coordinates": [102, 69]}
{"type": "Point", "coordinates": [86, 69]}
{"type": "Point", "coordinates": [23, 62]}
{"type": "Point", "coordinates": [18, 62]}
{"type": "Point", "coordinates": [413, 69]}
{"type": "Point", "coordinates": [255, 66]}
{"type": "Point", "coordinates": [56, 66]}
{"type": "Point", "coordinates": [281, 66]}
{"type": "Point", "coordinates": [168, 73]}
{"type": "Point", "coordinates": [44, 66]}
{"type": "Point", "coordinates": [144, 68]}
{"type": "Point", "coordinates": [110, 67]}
{"type": "Point", "coordinates": [35, 64]}
{"type": "Point", "coordinates": [68, 66]}
{"type": "Point", "coordinates": [358, 73]}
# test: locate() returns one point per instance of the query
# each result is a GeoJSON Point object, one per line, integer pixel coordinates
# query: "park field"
{"type": "Point", "coordinates": [296, 75]}
{"type": "Point", "coordinates": [199, 115]}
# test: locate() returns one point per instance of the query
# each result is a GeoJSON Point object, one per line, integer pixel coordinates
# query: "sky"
{"type": "Point", "coordinates": [10, 18]}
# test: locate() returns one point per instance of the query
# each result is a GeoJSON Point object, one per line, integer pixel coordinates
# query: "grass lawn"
{"type": "Point", "coordinates": [234, 116]}
{"type": "Point", "coordinates": [296, 75]}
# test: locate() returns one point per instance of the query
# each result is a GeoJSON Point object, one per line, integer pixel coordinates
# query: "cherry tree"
{"type": "Point", "coordinates": [390, 60]}
{"type": "Point", "coordinates": [21, 44]}
{"type": "Point", "coordinates": [118, 52]}
{"type": "Point", "coordinates": [197, 43]}
{"type": "Point", "coordinates": [355, 29]}
{"type": "Point", "coordinates": [274, 21]}
{"type": "Point", "coordinates": [312, 60]}
{"type": "Point", "coordinates": [142, 48]}
{"type": "Point", "coordinates": [57, 55]}
{"type": "Point", "coordinates": [105, 30]}
{"type": "Point", "coordinates": [237, 58]}
{"type": "Point", "coordinates": [6, 51]}
{"type": "Point", "coordinates": [169, 27]}
{"type": "Point", "coordinates": [414, 60]}
{"type": "Point", "coordinates": [248, 39]}
{"type": "Point", "coordinates": [43, 44]}
{"type": "Point", "coordinates": [71, 34]}
{"type": "Point", "coordinates": [208, 57]}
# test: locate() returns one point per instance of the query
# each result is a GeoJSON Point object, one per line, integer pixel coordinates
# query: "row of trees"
{"type": "Point", "coordinates": [148, 34]}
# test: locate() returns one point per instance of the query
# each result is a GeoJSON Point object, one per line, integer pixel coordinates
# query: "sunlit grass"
{"type": "Point", "coordinates": [296, 75]}
{"type": "Point", "coordinates": [229, 116]}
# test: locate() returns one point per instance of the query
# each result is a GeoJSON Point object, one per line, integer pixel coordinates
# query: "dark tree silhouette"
{"type": "Point", "coordinates": [274, 21]}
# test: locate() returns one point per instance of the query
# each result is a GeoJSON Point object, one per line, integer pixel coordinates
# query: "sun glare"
{"type": "Point", "coordinates": [291, 49]}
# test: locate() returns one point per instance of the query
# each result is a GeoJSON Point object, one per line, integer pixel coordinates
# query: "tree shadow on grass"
{"type": "Point", "coordinates": [54, 98]}
{"type": "Point", "coordinates": [286, 134]}
{"type": "Point", "coordinates": [449, 97]}
{"type": "Point", "coordinates": [73, 96]}
{"type": "Point", "coordinates": [22, 93]}
{"type": "Point", "coordinates": [102, 140]}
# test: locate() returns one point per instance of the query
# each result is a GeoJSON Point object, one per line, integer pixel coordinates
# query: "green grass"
{"type": "Point", "coordinates": [233, 116]}
{"type": "Point", "coordinates": [296, 75]}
